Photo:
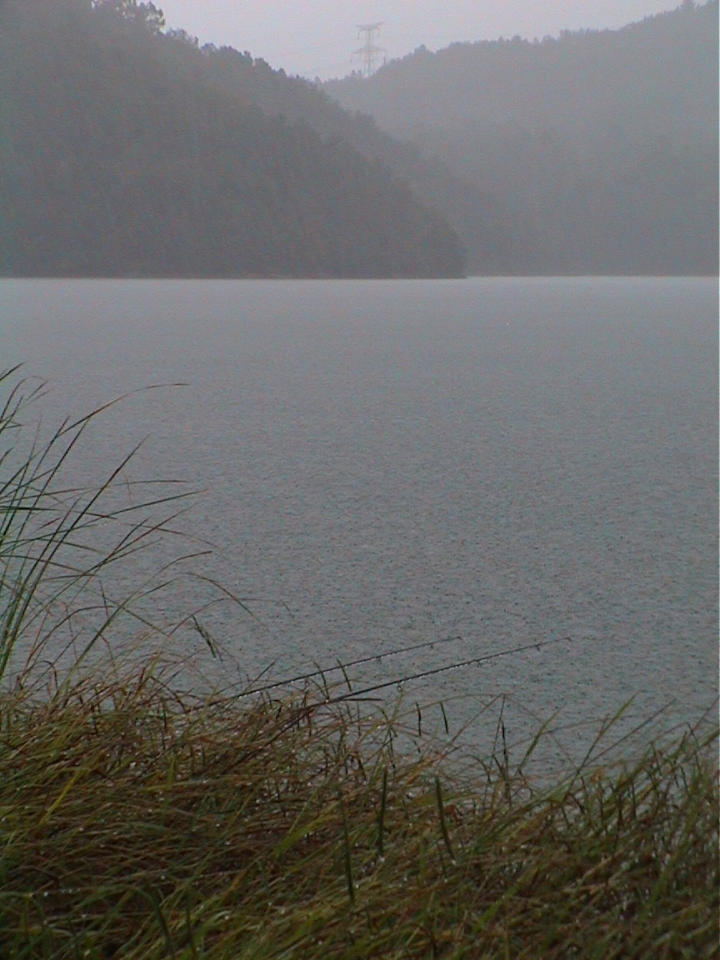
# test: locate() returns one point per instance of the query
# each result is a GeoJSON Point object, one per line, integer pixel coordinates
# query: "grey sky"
{"type": "Point", "coordinates": [317, 37]}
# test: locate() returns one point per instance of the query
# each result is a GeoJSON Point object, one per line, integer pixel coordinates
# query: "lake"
{"type": "Point", "coordinates": [502, 462]}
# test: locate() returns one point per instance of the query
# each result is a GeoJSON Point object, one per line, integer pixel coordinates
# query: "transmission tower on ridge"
{"type": "Point", "coordinates": [369, 53]}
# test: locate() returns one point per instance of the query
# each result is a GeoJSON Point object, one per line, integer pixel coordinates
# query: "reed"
{"type": "Point", "coordinates": [137, 821]}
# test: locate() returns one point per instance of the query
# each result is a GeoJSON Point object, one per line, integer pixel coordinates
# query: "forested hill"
{"type": "Point", "coordinates": [126, 151]}
{"type": "Point", "coordinates": [472, 213]}
{"type": "Point", "coordinates": [601, 147]}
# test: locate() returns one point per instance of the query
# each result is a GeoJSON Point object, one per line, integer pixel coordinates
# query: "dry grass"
{"type": "Point", "coordinates": [138, 824]}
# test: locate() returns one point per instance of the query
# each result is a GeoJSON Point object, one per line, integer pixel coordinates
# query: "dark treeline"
{"type": "Point", "coordinates": [129, 151]}
{"type": "Point", "coordinates": [598, 150]}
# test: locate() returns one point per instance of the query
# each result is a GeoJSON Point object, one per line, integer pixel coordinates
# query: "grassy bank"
{"type": "Point", "coordinates": [137, 821]}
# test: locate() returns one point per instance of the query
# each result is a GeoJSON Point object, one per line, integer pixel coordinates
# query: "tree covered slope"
{"type": "Point", "coordinates": [599, 147]}
{"type": "Point", "coordinates": [125, 151]}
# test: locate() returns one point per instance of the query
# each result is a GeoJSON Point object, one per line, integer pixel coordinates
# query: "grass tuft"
{"type": "Point", "coordinates": [137, 823]}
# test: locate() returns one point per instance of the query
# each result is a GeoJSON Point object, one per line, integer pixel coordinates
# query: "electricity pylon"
{"type": "Point", "coordinates": [369, 53]}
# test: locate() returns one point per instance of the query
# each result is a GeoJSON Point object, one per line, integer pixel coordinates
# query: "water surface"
{"type": "Point", "coordinates": [386, 463]}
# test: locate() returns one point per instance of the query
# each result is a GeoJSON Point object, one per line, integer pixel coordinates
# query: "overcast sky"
{"type": "Point", "coordinates": [317, 37]}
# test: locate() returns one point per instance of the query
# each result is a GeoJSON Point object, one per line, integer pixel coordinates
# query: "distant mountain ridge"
{"type": "Point", "coordinates": [126, 151]}
{"type": "Point", "coordinates": [599, 148]}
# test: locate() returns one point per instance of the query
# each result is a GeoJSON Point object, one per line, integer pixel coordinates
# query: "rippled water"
{"type": "Point", "coordinates": [388, 463]}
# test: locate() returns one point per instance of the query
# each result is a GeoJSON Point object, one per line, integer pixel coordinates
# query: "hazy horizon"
{"type": "Point", "coordinates": [318, 37]}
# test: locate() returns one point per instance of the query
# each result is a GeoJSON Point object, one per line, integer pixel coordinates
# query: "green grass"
{"type": "Point", "coordinates": [137, 821]}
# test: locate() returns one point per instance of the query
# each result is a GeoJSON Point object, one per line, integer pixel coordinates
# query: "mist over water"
{"type": "Point", "coordinates": [388, 463]}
